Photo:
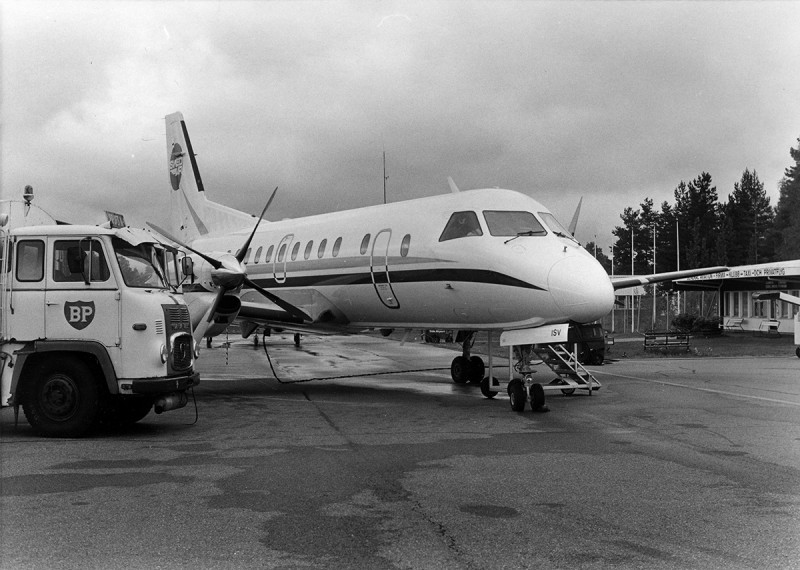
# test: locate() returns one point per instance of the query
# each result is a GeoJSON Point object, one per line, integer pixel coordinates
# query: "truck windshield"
{"type": "Point", "coordinates": [141, 265]}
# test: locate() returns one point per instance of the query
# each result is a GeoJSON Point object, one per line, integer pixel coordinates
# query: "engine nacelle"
{"type": "Point", "coordinates": [226, 312]}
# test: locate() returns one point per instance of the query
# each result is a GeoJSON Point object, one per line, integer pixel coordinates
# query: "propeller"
{"type": "Point", "coordinates": [242, 252]}
{"type": "Point", "coordinates": [229, 276]}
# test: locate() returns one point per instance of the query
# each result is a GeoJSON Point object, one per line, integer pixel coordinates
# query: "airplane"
{"type": "Point", "coordinates": [475, 260]}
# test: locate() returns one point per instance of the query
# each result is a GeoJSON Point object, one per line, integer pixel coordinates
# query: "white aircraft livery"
{"type": "Point", "coordinates": [488, 260]}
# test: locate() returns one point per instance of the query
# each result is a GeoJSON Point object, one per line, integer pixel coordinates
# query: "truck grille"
{"type": "Point", "coordinates": [179, 332]}
{"type": "Point", "coordinates": [177, 317]}
{"type": "Point", "coordinates": [181, 351]}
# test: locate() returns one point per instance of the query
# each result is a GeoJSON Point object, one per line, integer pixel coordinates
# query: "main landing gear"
{"type": "Point", "coordinates": [469, 368]}
{"type": "Point", "coordinates": [466, 368]}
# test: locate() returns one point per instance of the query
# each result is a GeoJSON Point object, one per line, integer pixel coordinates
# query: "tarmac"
{"type": "Point", "coordinates": [364, 454]}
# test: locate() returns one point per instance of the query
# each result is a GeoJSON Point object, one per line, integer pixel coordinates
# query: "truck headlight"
{"type": "Point", "coordinates": [164, 354]}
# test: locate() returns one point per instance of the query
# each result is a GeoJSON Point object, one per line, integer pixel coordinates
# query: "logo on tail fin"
{"type": "Point", "coordinates": [176, 166]}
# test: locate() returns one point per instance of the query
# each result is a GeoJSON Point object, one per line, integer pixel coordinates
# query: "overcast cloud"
{"type": "Point", "coordinates": [614, 102]}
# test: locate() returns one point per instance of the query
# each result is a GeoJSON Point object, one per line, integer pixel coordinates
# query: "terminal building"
{"type": "Point", "coordinates": [739, 309]}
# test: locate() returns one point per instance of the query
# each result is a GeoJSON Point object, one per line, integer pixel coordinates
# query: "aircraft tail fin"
{"type": "Point", "coordinates": [573, 224]}
{"type": "Point", "coordinates": [192, 215]}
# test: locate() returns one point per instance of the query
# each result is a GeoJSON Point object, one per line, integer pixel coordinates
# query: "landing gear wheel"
{"type": "Point", "coordinates": [61, 398]}
{"type": "Point", "coordinates": [460, 370]}
{"type": "Point", "coordinates": [486, 387]}
{"type": "Point", "coordinates": [477, 369]}
{"type": "Point", "coordinates": [516, 394]}
{"type": "Point", "coordinates": [537, 397]}
{"type": "Point", "coordinates": [255, 340]}
{"type": "Point", "coordinates": [797, 351]}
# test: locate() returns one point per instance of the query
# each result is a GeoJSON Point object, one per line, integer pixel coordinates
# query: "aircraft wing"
{"type": "Point", "coordinates": [264, 313]}
{"type": "Point", "coordinates": [323, 314]}
{"type": "Point", "coordinates": [659, 277]}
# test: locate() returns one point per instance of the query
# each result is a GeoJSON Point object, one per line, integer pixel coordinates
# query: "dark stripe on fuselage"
{"type": "Point", "coordinates": [406, 276]}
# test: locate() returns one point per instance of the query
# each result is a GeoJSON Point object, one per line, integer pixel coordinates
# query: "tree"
{"type": "Point", "coordinates": [786, 226]}
{"type": "Point", "coordinates": [698, 213]}
{"type": "Point", "coordinates": [597, 252]}
{"type": "Point", "coordinates": [637, 228]}
{"type": "Point", "coordinates": [748, 222]}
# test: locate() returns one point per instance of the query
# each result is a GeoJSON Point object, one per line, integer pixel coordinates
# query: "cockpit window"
{"type": "Point", "coordinates": [555, 226]}
{"type": "Point", "coordinates": [461, 224]}
{"type": "Point", "coordinates": [510, 223]}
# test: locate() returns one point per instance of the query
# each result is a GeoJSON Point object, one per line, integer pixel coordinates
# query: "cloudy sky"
{"type": "Point", "coordinates": [613, 102]}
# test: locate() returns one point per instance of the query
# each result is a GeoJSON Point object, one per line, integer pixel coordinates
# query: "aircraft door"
{"type": "Point", "coordinates": [379, 269]}
{"type": "Point", "coordinates": [281, 256]}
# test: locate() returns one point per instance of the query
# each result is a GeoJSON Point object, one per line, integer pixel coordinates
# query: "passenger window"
{"type": "Point", "coordinates": [461, 224]}
{"type": "Point", "coordinates": [247, 255]}
{"type": "Point", "coordinates": [268, 257]}
{"type": "Point", "coordinates": [30, 260]}
{"type": "Point", "coordinates": [336, 247]}
{"type": "Point", "coordinates": [295, 250]}
{"type": "Point", "coordinates": [282, 253]}
{"type": "Point", "coordinates": [510, 223]}
{"type": "Point", "coordinates": [307, 252]}
{"type": "Point", "coordinates": [404, 245]}
{"type": "Point", "coordinates": [258, 254]}
{"type": "Point", "coordinates": [70, 259]}
{"type": "Point", "coordinates": [321, 250]}
{"type": "Point", "coordinates": [364, 244]}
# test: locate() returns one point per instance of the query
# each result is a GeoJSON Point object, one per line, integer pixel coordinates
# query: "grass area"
{"type": "Point", "coordinates": [729, 344]}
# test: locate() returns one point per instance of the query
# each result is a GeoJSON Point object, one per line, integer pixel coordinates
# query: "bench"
{"type": "Point", "coordinates": [666, 339]}
{"type": "Point", "coordinates": [769, 327]}
{"type": "Point", "coordinates": [735, 323]}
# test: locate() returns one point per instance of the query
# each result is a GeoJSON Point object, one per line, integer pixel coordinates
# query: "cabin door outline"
{"type": "Point", "coordinates": [279, 266]}
{"type": "Point", "coordinates": [379, 269]}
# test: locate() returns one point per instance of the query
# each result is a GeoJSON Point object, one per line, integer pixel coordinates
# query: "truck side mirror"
{"type": "Point", "coordinates": [86, 256]}
{"type": "Point", "coordinates": [187, 266]}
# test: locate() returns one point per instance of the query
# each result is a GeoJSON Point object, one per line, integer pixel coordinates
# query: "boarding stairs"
{"type": "Point", "coordinates": [571, 374]}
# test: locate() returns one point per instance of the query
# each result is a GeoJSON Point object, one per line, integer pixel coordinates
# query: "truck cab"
{"type": "Point", "coordinates": [91, 329]}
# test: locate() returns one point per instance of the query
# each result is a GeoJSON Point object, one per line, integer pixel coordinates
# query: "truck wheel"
{"type": "Point", "coordinates": [61, 398]}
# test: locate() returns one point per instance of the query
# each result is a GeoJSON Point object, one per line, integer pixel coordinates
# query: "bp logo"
{"type": "Point", "coordinates": [79, 314]}
{"type": "Point", "coordinates": [175, 166]}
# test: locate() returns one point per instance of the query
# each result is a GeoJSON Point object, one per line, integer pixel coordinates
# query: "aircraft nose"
{"type": "Point", "coordinates": [581, 288]}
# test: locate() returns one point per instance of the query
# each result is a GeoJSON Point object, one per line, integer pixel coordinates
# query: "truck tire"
{"type": "Point", "coordinates": [61, 397]}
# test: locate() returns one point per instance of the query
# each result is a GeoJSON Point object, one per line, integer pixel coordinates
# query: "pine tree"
{"type": "Point", "coordinates": [786, 227]}
{"type": "Point", "coordinates": [748, 222]}
{"type": "Point", "coordinates": [698, 213]}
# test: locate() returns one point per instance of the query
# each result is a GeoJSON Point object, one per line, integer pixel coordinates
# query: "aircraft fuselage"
{"type": "Point", "coordinates": [479, 259]}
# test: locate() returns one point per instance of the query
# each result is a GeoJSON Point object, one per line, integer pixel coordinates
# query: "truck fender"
{"type": "Point", "coordinates": [92, 348]}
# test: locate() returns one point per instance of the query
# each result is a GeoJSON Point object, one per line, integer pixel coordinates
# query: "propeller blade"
{"type": "Point", "coordinates": [203, 325]}
{"type": "Point", "coordinates": [288, 307]}
{"type": "Point", "coordinates": [216, 264]}
{"type": "Point", "coordinates": [242, 252]}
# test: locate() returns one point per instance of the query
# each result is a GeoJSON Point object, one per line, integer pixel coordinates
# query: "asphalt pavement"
{"type": "Point", "coordinates": [364, 454]}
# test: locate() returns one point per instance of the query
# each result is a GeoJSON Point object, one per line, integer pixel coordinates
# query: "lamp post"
{"type": "Point", "coordinates": [654, 272]}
